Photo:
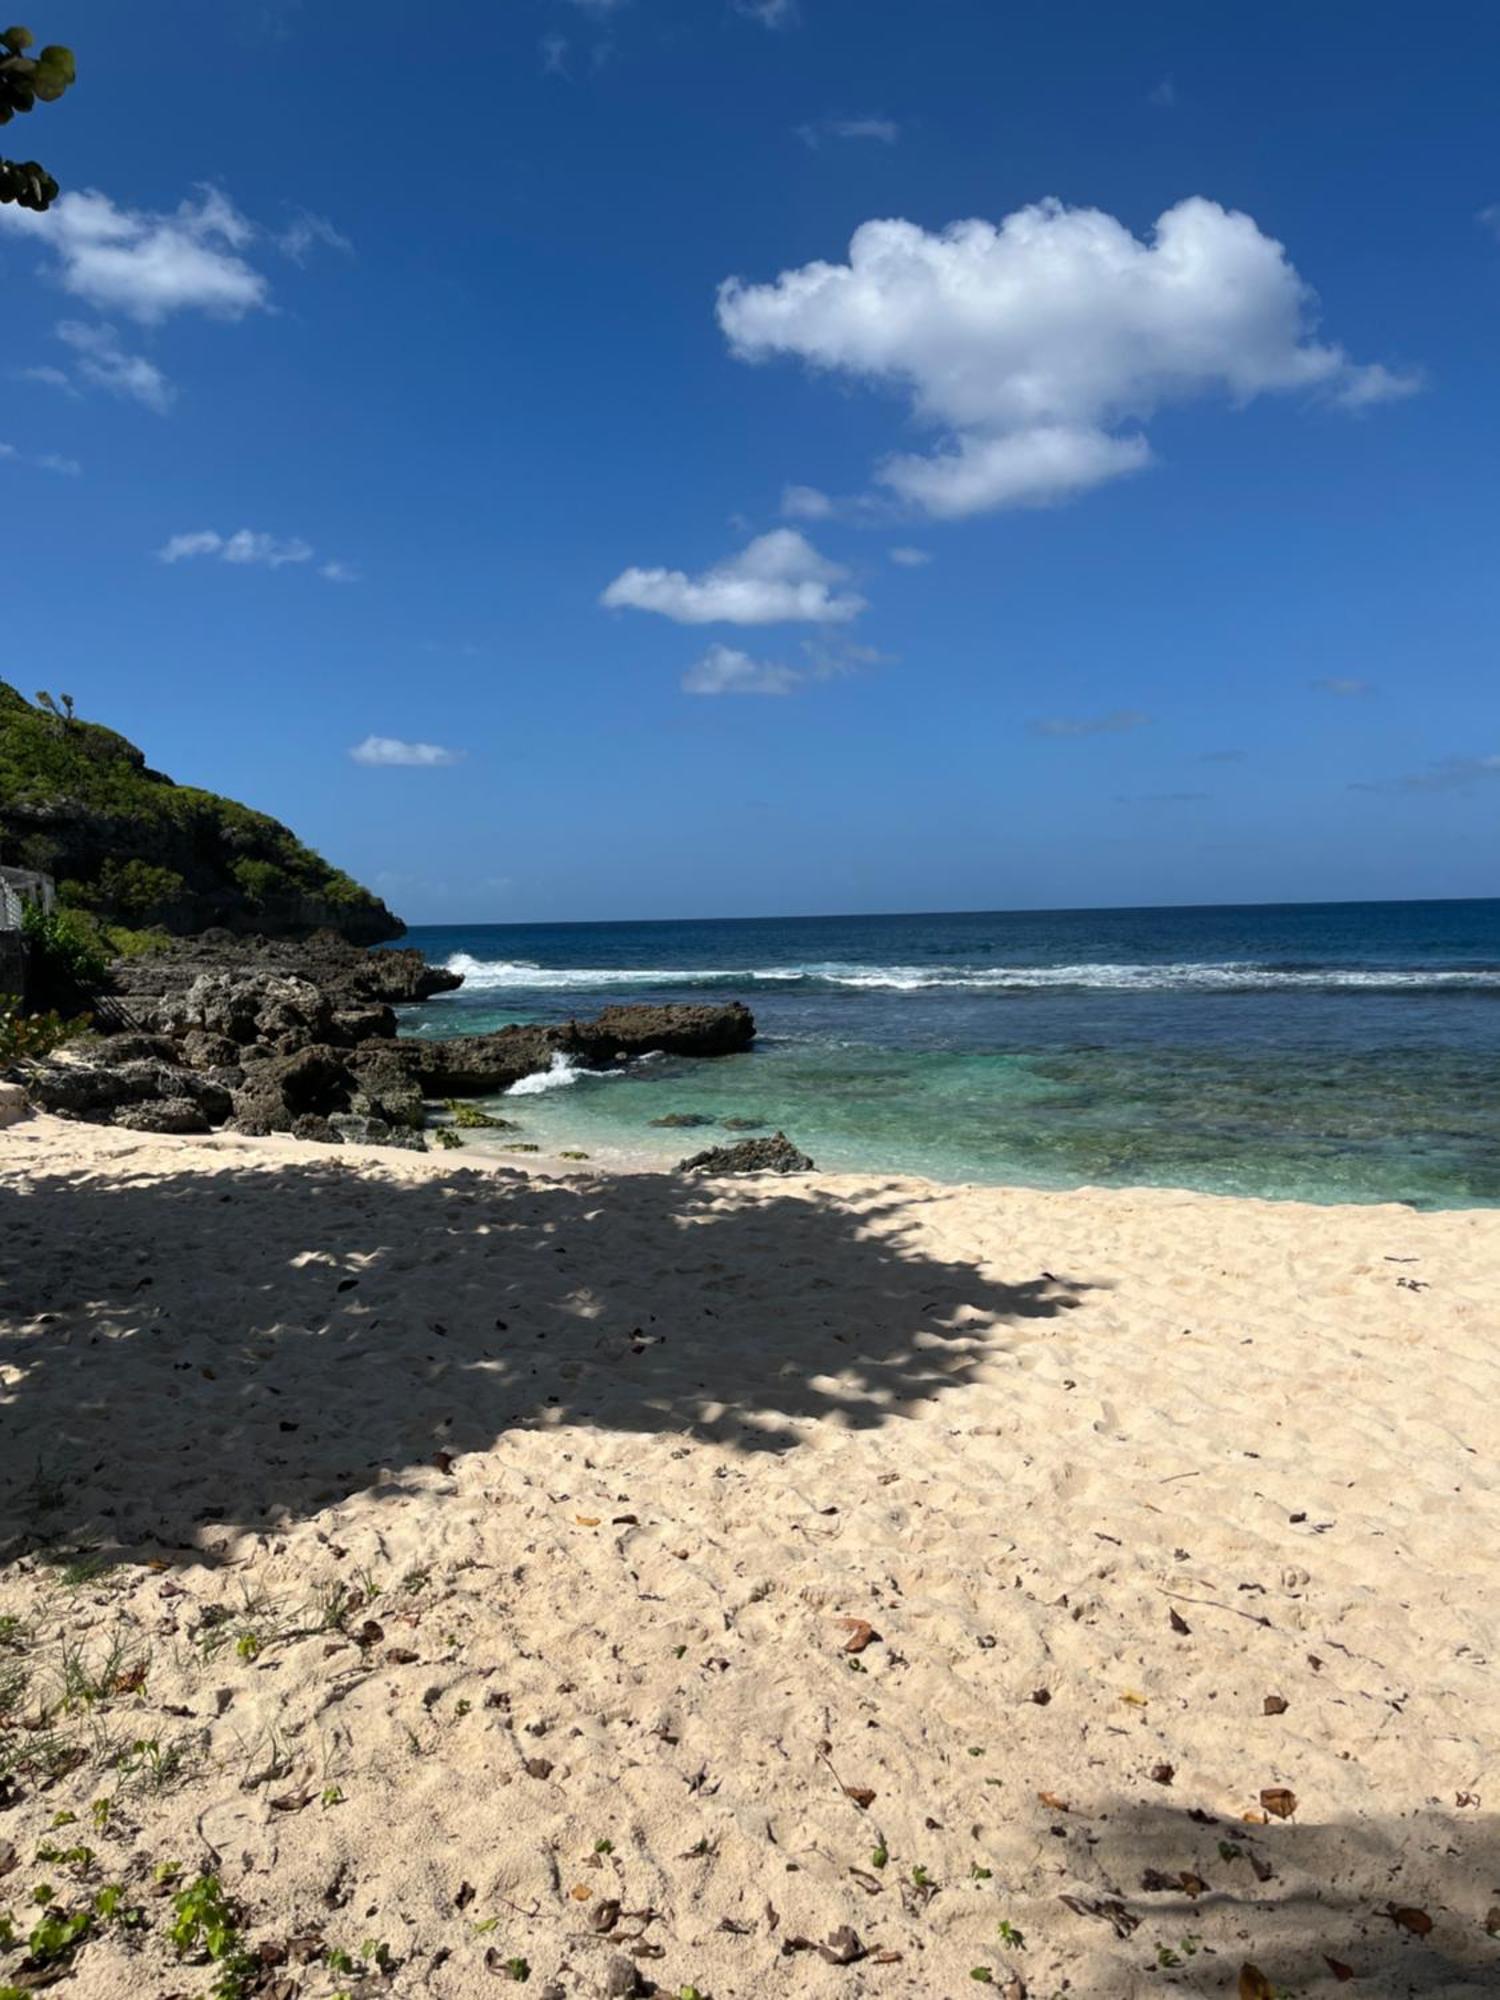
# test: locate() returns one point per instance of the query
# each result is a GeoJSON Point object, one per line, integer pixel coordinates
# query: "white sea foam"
{"type": "Point", "coordinates": [564, 1071]}
{"type": "Point", "coordinates": [522, 976]}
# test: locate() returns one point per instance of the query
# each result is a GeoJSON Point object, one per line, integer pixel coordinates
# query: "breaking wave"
{"type": "Point", "coordinates": [522, 976]}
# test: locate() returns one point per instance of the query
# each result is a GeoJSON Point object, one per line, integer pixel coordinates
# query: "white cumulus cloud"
{"type": "Point", "coordinates": [149, 264]}
{"type": "Point", "coordinates": [390, 750]}
{"type": "Point", "coordinates": [1036, 349]}
{"type": "Point", "coordinates": [779, 578]}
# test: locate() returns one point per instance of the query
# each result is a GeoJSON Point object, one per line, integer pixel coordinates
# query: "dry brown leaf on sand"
{"type": "Point", "coordinates": [861, 1633]}
{"type": "Point", "coordinates": [1337, 1967]}
{"type": "Point", "coordinates": [1275, 1704]}
{"type": "Point", "coordinates": [1254, 1984]}
{"type": "Point", "coordinates": [1056, 1804]}
{"type": "Point", "coordinates": [1109, 1910]}
{"type": "Point", "coordinates": [1179, 1624]}
{"type": "Point", "coordinates": [1279, 1800]}
{"type": "Point", "coordinates": [1407, 1919]}
{"type": "Point", "coordinates": [862, 1796]}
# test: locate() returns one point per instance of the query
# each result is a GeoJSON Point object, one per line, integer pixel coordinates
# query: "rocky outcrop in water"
{"type": "Point", "coordinates": [776, 1155]}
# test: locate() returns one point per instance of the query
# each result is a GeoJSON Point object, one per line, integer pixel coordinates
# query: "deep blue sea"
{"type": "Point", "coordinates": [1335, 1052]}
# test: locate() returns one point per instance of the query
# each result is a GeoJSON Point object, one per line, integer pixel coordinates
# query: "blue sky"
{"type": "Point", "coordinates": [1135, 548]}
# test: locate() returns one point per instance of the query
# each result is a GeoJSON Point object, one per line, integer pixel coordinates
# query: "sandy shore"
{"type": "Point", "coordinates": [516, 1567]}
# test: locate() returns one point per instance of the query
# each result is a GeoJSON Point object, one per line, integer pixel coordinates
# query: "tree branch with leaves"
{"type": "Point", "coordinates": [25, 81]}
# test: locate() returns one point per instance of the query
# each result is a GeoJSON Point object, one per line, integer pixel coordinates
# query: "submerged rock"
{"type": "Point", "coordinates": [683, 1121]}
{"type": "Point", "coordinates": [776, 1155]}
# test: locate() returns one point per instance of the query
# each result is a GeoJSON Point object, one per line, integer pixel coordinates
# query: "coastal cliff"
{"type": "Point", "coordinates": [129, 846]}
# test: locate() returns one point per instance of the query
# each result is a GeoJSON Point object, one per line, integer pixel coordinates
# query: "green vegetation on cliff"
{"type": "Point", "coordinates": [126, 844]}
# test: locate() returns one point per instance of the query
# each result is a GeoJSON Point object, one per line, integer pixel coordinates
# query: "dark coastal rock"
{"type": "Point", "coordinates": [683, 1121]}
{"type": "Point", "coordinates": [723, 1030]}
{"type": "Point", "coordinates": [359, 1131]}
{"type": "Point", "coordinates": [140, 1048]}
{"type": "Point", "coordinates": [743, 1124]}
{"type": "Point", "coordinates": [351, 980]}
{"type": "Point", "coordinates": [277, 1010]}
{"type": "Point", "coordinates": [485, 1065]}
{"type": "Point", "coordinates": [93, 1090]}
{"type": "Point", "coordinates": [200, 1049]}
{"type": "Point", "coordinates": [163, 1114]}
{"type": "Point", "coordinates": [750, 1156]}
{"type": "Point", "coordinates": [277, 1093]}
{"type": "Point", "coordinates": [384, 1087]}
{"type": "Point", "coordinates": [348, 1128]}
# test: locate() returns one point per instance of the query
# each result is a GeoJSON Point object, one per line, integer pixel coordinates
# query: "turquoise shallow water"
{"type": "Point", "coordinates": [1326, 1053]}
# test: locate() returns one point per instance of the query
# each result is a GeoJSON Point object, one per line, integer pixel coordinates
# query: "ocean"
{"type": "Point", "coordinates": [1322, 1052]}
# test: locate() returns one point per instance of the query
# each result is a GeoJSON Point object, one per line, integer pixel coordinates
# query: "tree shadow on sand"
{"type": "Point", "coordinates": [298, 1332]}
{"type": "Point", "coordinates": [1390, 1906]}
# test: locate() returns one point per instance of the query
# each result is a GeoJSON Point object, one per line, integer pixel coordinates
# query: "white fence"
{"type": "Point", "coordinates": [18, 887]}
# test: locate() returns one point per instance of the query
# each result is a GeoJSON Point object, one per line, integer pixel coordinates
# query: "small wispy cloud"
{"type": "Point", "coordinates": [1451, 774]}
{"type": "Point", "coordinates": [1364, 388]}
{"type": "Point", "coordinates": [1489, 218]}
{"type": "Point", "coordinates": [102, 362]}
{"type": "Point", "coordinates": [1115, 723]}
{"type": "Point", "coordinates": [45, 461]}
{"type": "Point", "coordinates": [727, 670]}
{"type": "Point", "coordinates": [553, 50]}
{"type": "Point", "coordinates": [909, 558]}
{"type": "Point", "coordinates": [250, 548]}
{"type": "Point", "coordinates": [306, 233]}
{"type": "Point", "coordinates": [884, 131]}
{"type": "Point", "coordinates": [1163, 95]}
{"type": "Point", "coordinates": [769, 13]}
{"type": "Point", "coordinates": [390, 751]}
{"type": "Point", "coordinates": [805, 503]}
{"type": "Point", "coordinates": [1347, 686]}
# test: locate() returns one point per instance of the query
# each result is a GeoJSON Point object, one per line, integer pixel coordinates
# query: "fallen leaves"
{"type": "Point", "coordinates": [842, 1947]}
{"type": "Point", "coordinates": [1179, 1624]}
{"type": "Point", "coordinates": [1275, 1704]}
{"type": "Point", "coordinates": [1109, 1910]}
{"type": "Point", "coordinates": [1279, 1801]}
{"type": "Point", "coordinates": [1155, 1883]}
{"type": "Point", "coordinates": [861, 1633]}
{"type": "Point", "coordinates": [1053, 1802]}
{"type": "Point", "coordinates": [1405, 1918]}
{"type": "Point", "coordinates": [1254, 1984]}
{"type": "Point", "coordinates": [1163, 1774]}
{"type": "Point", "coordinates": [1341, 1972]}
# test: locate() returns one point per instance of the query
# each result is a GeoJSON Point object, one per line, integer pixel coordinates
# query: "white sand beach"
{"type": "Point", "coordinates": [518, 1567]}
